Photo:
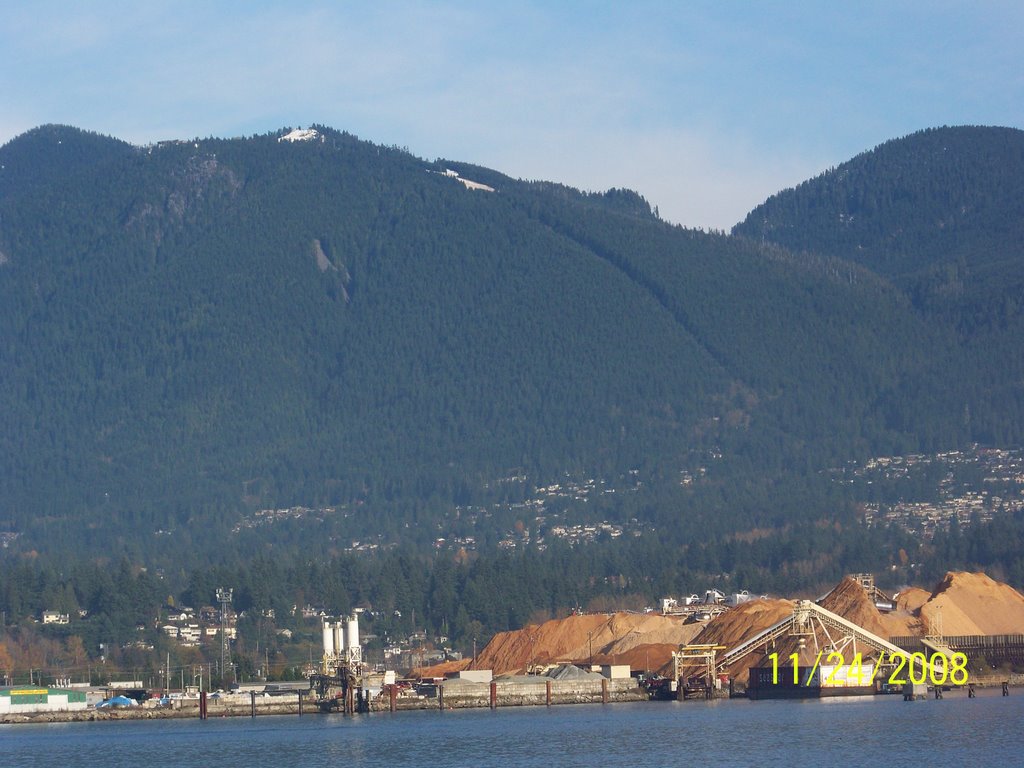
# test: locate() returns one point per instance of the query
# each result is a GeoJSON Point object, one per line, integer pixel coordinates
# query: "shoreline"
{"type": "Point", "coordinates": [187, 712]}
{"type": "Point", "coordinates": [377, 705]}
{"type": "Point", "coordinates": [380, 705]}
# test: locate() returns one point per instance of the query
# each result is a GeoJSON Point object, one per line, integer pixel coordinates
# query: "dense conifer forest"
{"type": "Point", "coordinates": [198, 330]}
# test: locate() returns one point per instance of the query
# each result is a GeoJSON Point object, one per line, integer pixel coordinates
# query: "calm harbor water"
{"type": "Point", "coordinates": [861, 731]}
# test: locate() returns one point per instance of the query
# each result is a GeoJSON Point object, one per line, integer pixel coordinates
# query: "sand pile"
{"type": "Point", "coordinates": [653, 657]}
{"type": "Point", "coordinates": [851, 601]}
{"type": "Point", "coordinates": [743, 622]}
{"type": "Point", "coordinates": [968, 604]}
{"type": "Point", "coordinates": [649, 629]}
{"type": "Point", "coordinates": [440, 670]}
{"type": "Point", "coordinates": [554, 640]}
{"type": "Point", "coordinates": [848, 599]}
{"type": "Point", "coordinates": [905, 621]}
{"type": "Point", "coordinates": [740, 624]}
{"type": "Point", "coordinates": [609, 637]}
{"type": "Point", "coordinates": [900, 623]}
{"type": "Point", "coordinates": [973, 604]}
{"type": "Point", "coordinates": [910, 599]}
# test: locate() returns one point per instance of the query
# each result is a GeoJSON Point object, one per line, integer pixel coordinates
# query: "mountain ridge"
{"type": "Point", "coordinates": [201, 328]}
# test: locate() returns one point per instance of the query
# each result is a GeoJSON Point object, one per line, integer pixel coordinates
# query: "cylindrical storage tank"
{"type": "Point", "coordinates": [328, 634]}
{"type": "Point", "coordinates": [352, 639]}
{"type": "Point", "coordinates": [339, 638]}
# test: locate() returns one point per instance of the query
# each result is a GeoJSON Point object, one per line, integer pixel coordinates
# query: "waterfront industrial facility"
{"type": "Point", "coordinates": [854, 640]}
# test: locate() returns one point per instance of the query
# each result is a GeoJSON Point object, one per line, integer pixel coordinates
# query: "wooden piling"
{"type": "Point", "coordinates": [440, 697]}
{"type": "Point", "coordinates": [547, 692]}
{"type": "Point", "coordinates": [392, 697]}
{"type": "Point", "coordinates": [604, 690]}
{"type": "Point", "coordinates": [202, 705]}
{"type": "Point", "coordinates": [300, 703]}
{"type": "Point", "coordinates": [494, 694]}
{"type": "Point", "coordinates": [252, 703]}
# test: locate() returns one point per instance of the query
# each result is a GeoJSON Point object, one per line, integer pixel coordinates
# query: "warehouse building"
{"type": "Point", "coordinates": [33, 700]}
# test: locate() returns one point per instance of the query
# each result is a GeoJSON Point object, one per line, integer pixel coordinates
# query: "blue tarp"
{"type": "Point", "coordinates": [116, 701]}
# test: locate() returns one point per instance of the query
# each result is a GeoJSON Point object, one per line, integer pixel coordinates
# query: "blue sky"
{"type": "Point", "coordinates": [705, 108]}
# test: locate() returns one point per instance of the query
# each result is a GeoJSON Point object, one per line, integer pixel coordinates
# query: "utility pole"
{"type": "Point", "coordinates": [224, 598]}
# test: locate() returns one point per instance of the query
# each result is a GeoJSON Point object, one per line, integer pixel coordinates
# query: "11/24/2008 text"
{"type": "Point", "coordinates": [916, 668]}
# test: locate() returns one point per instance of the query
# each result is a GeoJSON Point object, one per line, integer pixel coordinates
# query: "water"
{"type": "Point", "coordinates": [857, 731]}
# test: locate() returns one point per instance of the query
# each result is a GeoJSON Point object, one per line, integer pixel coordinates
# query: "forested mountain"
{"type": "Point", "coordinates": [197, 329]}
{"type": "Point", "coordinates": [940, 213]}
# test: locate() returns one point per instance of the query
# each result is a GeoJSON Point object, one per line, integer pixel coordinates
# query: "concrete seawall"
{"type": "Point", "coordinates": [179, 710]}
{"type": "Point", "coordinates": [458, 694]}
{"type": "Point", "coordinates": [453, 694]}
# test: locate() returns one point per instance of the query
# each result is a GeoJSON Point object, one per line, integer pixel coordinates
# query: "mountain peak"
{"type": "Point", "coordinates": [50, 152]}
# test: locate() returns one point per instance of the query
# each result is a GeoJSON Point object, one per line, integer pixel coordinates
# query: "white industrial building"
{"type": "Point", "coordinates": [33, 700]}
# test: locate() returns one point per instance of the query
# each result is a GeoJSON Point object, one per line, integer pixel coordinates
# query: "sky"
{"type": "Point", "coordinates": [705, 108]}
